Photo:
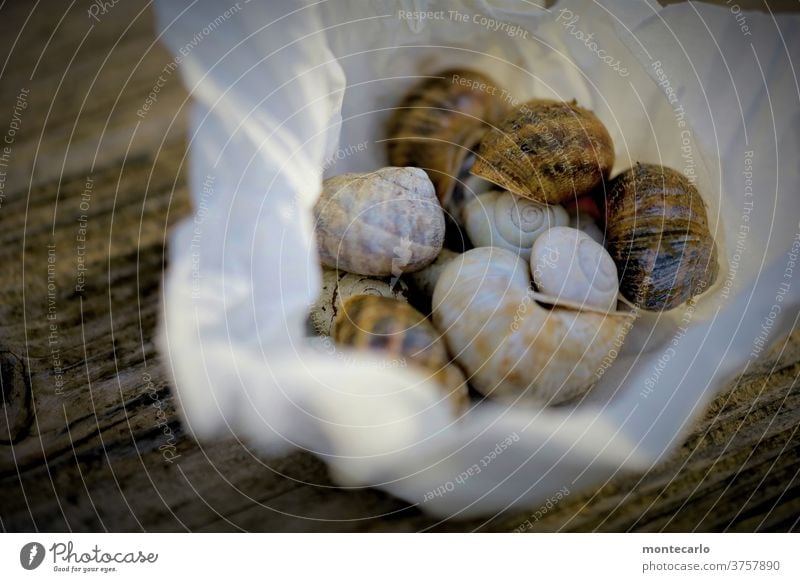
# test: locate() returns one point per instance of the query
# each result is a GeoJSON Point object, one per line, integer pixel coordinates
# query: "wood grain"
{"type": "Point", "coordinates": [101, 448]}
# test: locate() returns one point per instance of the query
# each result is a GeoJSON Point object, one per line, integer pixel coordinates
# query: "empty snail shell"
{"type": "Point", "coordinates": [383, 223]}
{"type": "Point", "coordinates": [548, 151]}
{"type": "Point", "coordinates": [338, 286]}
{"type": "Point", "coordinates": [400, 331]}
{"type": "Point", "coordinates": [512, 347]}
{"type": "Point", "coordinates": [658, 235]}
{"type": "Point", "coordinates": [568, 265]}
{"type": "Point", "coordinates": [437, 125]}
{"type": "Point", "coordinates": [501, 219]}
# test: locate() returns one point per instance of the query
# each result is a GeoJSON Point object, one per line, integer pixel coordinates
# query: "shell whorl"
{"type": "Point", "coordinates": [504, 220]}
{"type": "Point", "coordinates": [571, 267]}
{"type": "Point", "coordinates": [511, 347]}
{"type": "Point", "coordinates": [340, 285]}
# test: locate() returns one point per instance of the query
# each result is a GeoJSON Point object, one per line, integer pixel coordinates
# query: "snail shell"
{"type": "Point", "coordinates": [438, 123]}
{"type": "Point", "coordinates": [501, 219]}
{"type": "Point", "coordinates": [377, 323]}
{"type": "Point", "coordinates": [340, 285]}
{"type": "Point", "coordinates": [658, 235]}
{"type": "Point", "coordinates": [510, 346]}
{"type": "Point", "coordinates": [383, 223]}
{"type": "Point", "coordinates": [568, 265]}
{"type": "Point", "coordinates": [548, 151]}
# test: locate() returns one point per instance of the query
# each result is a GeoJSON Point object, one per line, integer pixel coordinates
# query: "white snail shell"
{"type": "Point", "coordinates": [383, 223]}
{"type": "Point", "coordinates": [568, 265]}
{"type": "Point", "coordinates": [501, 219]}
{"type": "Point", "coordinates": [510, 346]}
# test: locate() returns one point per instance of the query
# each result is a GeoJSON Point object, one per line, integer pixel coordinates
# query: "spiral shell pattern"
{"type": "Point", "coordinates": [338, 286]}
{"type": "Point", "coordinates": [501, 219]}
{"type": "Point", "coordinates": [569, 266]}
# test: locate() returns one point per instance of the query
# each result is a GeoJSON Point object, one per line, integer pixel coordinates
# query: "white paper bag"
{"type": "Point", "coordinates": [284, 92]}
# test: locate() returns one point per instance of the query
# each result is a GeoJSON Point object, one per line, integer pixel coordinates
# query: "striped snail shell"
{"type": "Point", "coordinates": [369, 322]}
{"type": "Point", "coordinates": [501, 219]}
{"type": "Point", "coordinates": [513, 348]}
{"type": "Point", "coordinates": [438, 124]}
{"type": "Point", "coordinates": [382, 223]}
{"type": "Point", "coordinates": [548, 151]}
{"type": "Point", "coordinates": [658, 235]}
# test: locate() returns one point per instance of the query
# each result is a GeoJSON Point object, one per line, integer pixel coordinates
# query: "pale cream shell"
{"type": "Point", "coordinates": [502, 219]}
{"type": "Point", "coordinates": [511, 347]}
{"type": "Point", "coordinates": [387, 222]}
{"type": "Point", "coordinates": [567, 263]}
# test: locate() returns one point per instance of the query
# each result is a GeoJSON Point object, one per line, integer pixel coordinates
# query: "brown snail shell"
{"type": "Point", "coordinates": [337, 286]}
{"type": "Point", "coordinates": [386, 222]}
{"type": "Point", "coordinates": [548, 151]}
{"type": "Point", "coordinates": [439, 123]}
{"type": "Point", "coordinates": [658, 235]}
{"type": "Point", "coordinates": [370, 322]}
{"type": "Point", "coordinates": [513, 347]}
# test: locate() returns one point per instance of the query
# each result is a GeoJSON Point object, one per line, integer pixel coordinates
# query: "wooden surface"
{"type": "Point", "coordinates": [90, 455]}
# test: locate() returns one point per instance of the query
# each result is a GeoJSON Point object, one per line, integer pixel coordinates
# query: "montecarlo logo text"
{"type": "Point", "coordinates": [66, 554]}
